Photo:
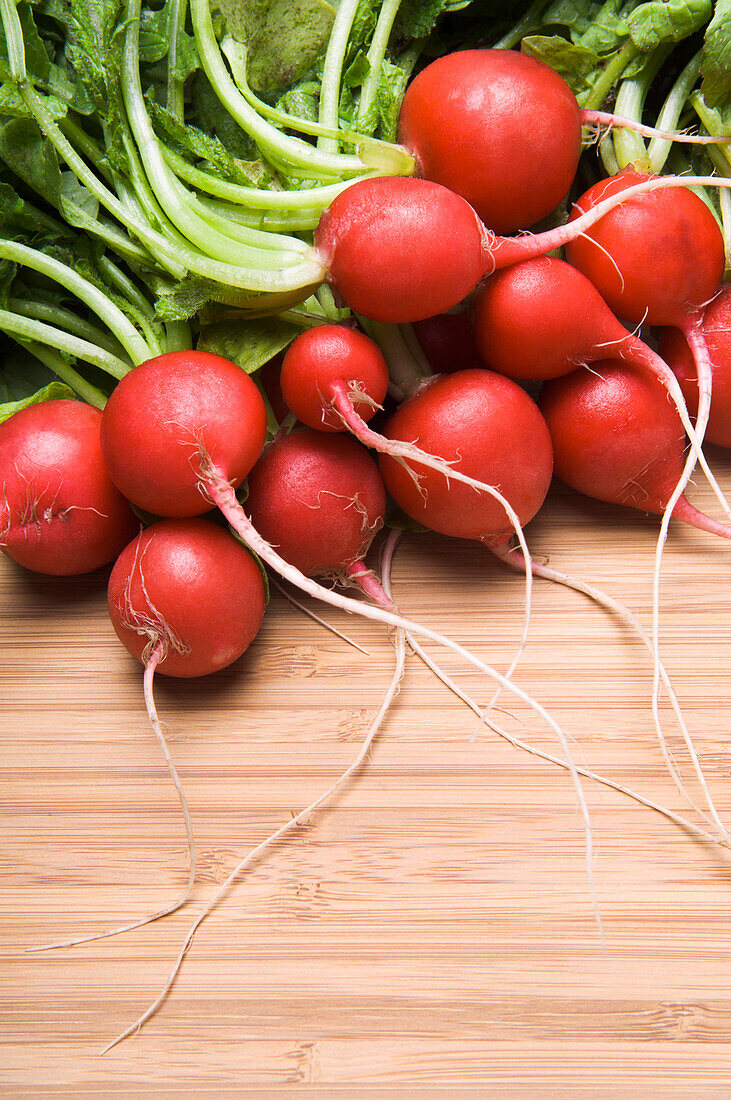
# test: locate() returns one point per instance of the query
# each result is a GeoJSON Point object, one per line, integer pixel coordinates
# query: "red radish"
{"type": "Point", "coordinates": [489, 124]}
{"type": "Point", "coordinates": [716, 330]}
{"type": "Point", "coordinates": [59, 511]}
{"type": "Point", "coordinates": [321, 358]}
{"type": "Point", "coordinates": [490, 429]}
{"type": "Point", "coordinates": [498, 127]}
{"type": "Point", "coordinates": [542, 318]}
{"type": "Point", "coordinates": [616, 438]}
{"type": "Point", "coordinates": [401, 249]}
{"type": "Point", "coordinates": [319, 499]}
{"type": "Point", "coordinates": [159, 422]}
{"type": "Point", "coordinates": [185, 598]}
{"type": "Point", "coordinates": [654, 258]}
{"type": "Point", "coordinates": [448, 342]}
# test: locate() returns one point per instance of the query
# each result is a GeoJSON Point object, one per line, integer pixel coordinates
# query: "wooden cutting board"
{"type": "Point", "coordinates": [432, 927]}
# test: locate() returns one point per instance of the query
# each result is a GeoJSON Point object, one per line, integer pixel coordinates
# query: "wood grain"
{"type": "Point", "coordinates": [432, 928]}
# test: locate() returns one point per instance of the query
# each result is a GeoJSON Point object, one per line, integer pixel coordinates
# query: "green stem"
{"type": "Point", "coordinates": [629, 146]}
{"type": "Point", "coordinates": [110, 314]}
{"type": "Point", "coordinates": [206, 232]}
{"type": "Point", "coordinates": [175, 85]}
{"type": "Point", "coordinates": [613, 70]}
{"type": "Point", "coordinates": [332, 71]}
{"type": "Point", "coordinates": [66, 373]}
{"type": "Point", "coordinates": [178, 336]}
{"type": "Point", "coordinates": [659, 148]}
{"type": "Point", "coordinates": [124, 286]}
{"type": "Point", "coordinates": [270, 221]}
{"type": "Point", "coordinates": [65, 318]}
{"type": "Point", "coordinates": [713, 123]}
{"type": "Point", "coordinates": [371, 150]}
{"type": "Point", "coordinates": [24, 328]}
{"type": "Point", "coordinates": [375, 56]}
{"type": "Point", "coordinates": [403, 368]}
{"type": "Point", "coordinates": [530, 22]}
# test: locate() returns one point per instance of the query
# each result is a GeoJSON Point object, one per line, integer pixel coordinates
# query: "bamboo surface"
{"type": "Point", "coordinates": [431, 929]}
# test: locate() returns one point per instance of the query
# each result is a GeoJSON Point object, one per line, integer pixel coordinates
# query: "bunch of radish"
{"type": "Point", "coordinates": [468, 452]}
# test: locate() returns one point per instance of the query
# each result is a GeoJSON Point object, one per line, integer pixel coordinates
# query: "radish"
{"type": "Point", "coordinates": [331, 371]}
{"type": "Point", "coordinates": [59, 511]}
{"type": "Point", "coordinates": [716, 331]}
{"type": "Point", "coordinates": [328, 361]}
{"type": "Point", "coordinates": [616, 438]}
{"type": "Point", "coordinates": [292, 822]}
{"type": "Point", "coordinates": [658, 258]}
{"type": "Point", "coordinates": [543, 318]}
{"type": "Point", "coordinates": [185, 598]}
{"type": "Point", "coordinates": [489, 428]}
{"type": "Point", "coordinates": [400, 249]}
{"type": "Point", "coordinates": [638, 255]}
{"type": "Point", "coordinates": [156, 426]}
{"type": "Point", "coordinates": [320, 500]}
{"type": "Point", "coordinates": [483, 122]}
{"type": "Point", "coordinates": [539, 320]}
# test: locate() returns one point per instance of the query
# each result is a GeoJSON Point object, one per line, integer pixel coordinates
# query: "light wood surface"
{"type": "Point", "coordinates": [431, 928]}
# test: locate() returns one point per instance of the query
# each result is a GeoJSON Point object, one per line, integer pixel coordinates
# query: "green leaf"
{"type": "Point", "coordinates": [250, 344]}
{"type": "Point", "coordinates": [666, 21]}
{"type": "Point", "coordinates": [576, 64]}
{"type": "Point", "coordinates": [196, 145]}
{"type": "Point", "coordinates": [77, 204]}
{"type": "Point", "coordinates": [284, 38]}
{"type": "Point", "coordinates": [716, 57]}
{"type": "Point", "coordinates": [31, 156]}
{"type": "Point", "coordinates": [417, 18]}
{"type": "Point", "coordinates": [210, 116]}
{"type": "Point", "coordinates": [54, 391]}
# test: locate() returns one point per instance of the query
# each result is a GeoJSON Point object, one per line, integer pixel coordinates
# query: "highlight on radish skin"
{"type": "Point", "coordinates": [60, 514]}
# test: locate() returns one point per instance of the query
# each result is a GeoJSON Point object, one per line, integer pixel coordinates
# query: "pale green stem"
{"type": "Point", "coordinates": [23, 328]}
{"type": "Point", "coordinates": [124, 285]}
{"type": "Point", "coordinates": [181, 206]}
{"type": "Point", "coordinates": [257, 197]}
{"type": "Point", "coordinates": [175, 84]}
{"type": "Point", "coordinates": [178, 336]}
{"type": "Point", "coordinates": [612, 72]}
{"type": "Point", "coordinates": [332, 71]}
{"type": "Point", "coordinates": [65, 318]}
{"type": "Point", "coordinates": [271, 142]}
{"type": "Point", "coordinates": [659, 148]}
{"type": "Point", "coordinates": [375, 56]}
{"type": "Point", "coordinates": [530, 22]}
{"type": "Point", "coordinates": [110, 314]}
